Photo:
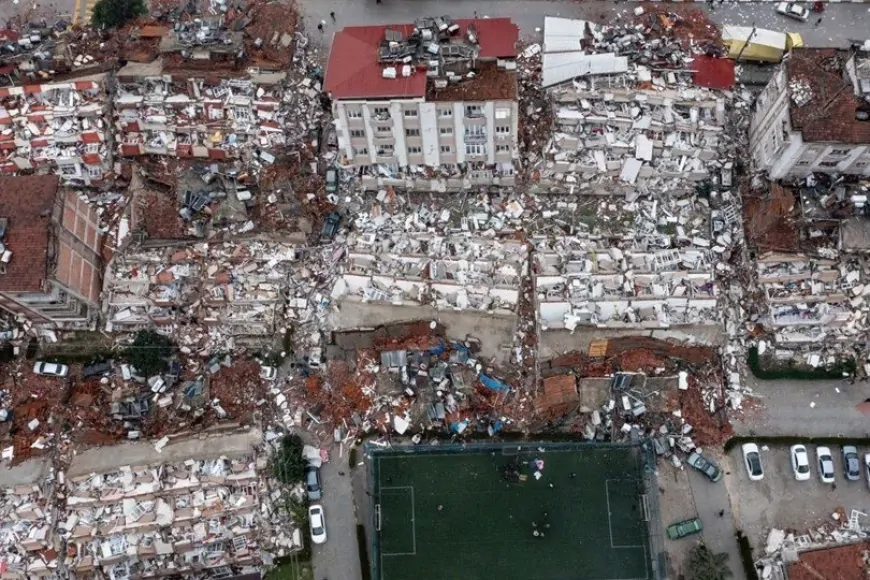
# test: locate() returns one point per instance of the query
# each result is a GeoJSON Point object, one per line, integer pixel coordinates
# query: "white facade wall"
{"type": "Point", "coordinates": [428, 124]}
{"type": "Point", "coordinates": [782, 152]}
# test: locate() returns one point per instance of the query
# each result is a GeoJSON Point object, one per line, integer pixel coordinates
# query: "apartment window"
{"type": "Point", "coordinates": [415, 150]}
{"type": "Point", "coordinates": [382, 112]}
{"type": "Point", "coordinates": [95, 171]}
{"type": "Point", "coordinates": [861, 164]}
{"type": "Point", "coordinates": [502, 129]}
{"type": "Point", "coordinates": [502, 148]}
{"type": "Point", "coordinates": [353, 113]}
{"type": "Point", "coordinates": [446, 130]}
{"type": "Point", "coordinates": [474, 149]}
{"type": "Point", "coordinates": [412, 132]}
{"type": "Point", "coordinates": [839, 152]}
{"type": "Point", "coordinates": [68, 170]}
{"type": "Point", "coordinates": [410, 112]}
{"type": "Point", "coordinates": [445, 112]}
{"type": "Point", "coordinates": [92, 148]}
{"type": "Point", "coordinates": [385, 151]}
{"type": "Point", "coordinates": [384, 129]}
{"type": "Point", "coordinates": [446, 149]}
{"type": "Point", "coordinates": [481, 174]}
{"type": "Point", "coordinates": [803, 163]}
{"type": "Point", "coordinates": [475, 131]}
{"type": "Point", "coordinates": [474, 110]}
{"type": "Point", "coordinates": [829, 163]}
{"type": "Point", "coordinates": [357, 134]}
{"type": "Point", "coordinates": [449, 167]}
{"type": "Point", "coordinates": [357, 152]}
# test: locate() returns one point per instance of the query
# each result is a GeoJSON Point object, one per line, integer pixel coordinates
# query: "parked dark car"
{"type": "Point", "coordinates": [95, 369]}
{"type": "Point", "coordinates": [705, 466]}
{"type": "Point", "coordinates": [330, 226]}
{"type": "Point", "coordinates": [312, 483]}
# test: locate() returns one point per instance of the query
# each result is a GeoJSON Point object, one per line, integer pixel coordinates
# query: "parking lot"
{"type": "Point", "coordinates": [780, 501]}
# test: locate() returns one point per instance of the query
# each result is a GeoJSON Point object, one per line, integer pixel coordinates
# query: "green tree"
{"type": "Point", "coordinates": [116, 13]}
{"type": "Point", "coordinates": [149, 352]}
{"type": "Point", "coordinates": [704, 564]}
{"type": "Point", "coordinates": [288, 463]}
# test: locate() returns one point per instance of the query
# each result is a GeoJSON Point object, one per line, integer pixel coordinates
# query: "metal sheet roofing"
{"type": "Point", "coordinates": [560, 67]}
{"type": "Point", "coordinates": [353, 71]}
{"type": "Point", "coordinates": [563, 34]}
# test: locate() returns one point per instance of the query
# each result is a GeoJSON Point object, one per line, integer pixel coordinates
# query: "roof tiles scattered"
{"type": "Point", "coordinates": [27, 202]}
{"type": "Point", "coordinates": [353, 71]}
{"type": "Point", "coordinates": [829, 114]}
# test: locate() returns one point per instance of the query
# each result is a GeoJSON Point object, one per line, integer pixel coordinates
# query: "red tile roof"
{"type": "Point", "coordinates": [713, 73]}
{"type": "Point", "coordinates": [27, 201]}
{"type": "Point", "coordinates": [829, 115]}
{"type": "Point", "coordinates": [353, 71]}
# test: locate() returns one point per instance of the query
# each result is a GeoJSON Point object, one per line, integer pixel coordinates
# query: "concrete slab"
{"type": "Point", "coordinates": [495, 331]}
{"type": "Point", "coordinates": [212, 446]}
{"type": "Point", "coordinates": [25, 473]}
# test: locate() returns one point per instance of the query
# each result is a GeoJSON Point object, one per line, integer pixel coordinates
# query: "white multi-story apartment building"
{"type": "Point", "coordinates": [429, 106]}
{"type": "Point", "coordinates": [814, 115]}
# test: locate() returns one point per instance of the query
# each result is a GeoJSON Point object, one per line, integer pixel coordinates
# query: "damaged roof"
{"type": "Point", "coordinates": [26, 202]}
{"type": "Point", "coordinates": [822, 102]}
{"type": "Point", "coordinates": [354, 71]}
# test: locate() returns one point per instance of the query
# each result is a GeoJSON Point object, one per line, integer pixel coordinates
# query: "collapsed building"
{"type": "Point", "coordinates": [453, 272]}
{"type": "Point", "coordinates": [622, 124]}
{"type": "Point", "coordinates": [216, 294]}
{"type": "Point", "coordinates": [430, 106]}
{"type": "Point", "coordinates": [57, 127]}
{"type": "Point", "coordinates": [28, 543]}
{"type": "Point", "coordinates": [188, 517]}
{"type": "Point", "coordinates": [814, 115]}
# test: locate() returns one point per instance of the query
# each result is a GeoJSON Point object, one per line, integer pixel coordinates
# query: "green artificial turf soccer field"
{"type": "Point", "coordinates": [590, 525]}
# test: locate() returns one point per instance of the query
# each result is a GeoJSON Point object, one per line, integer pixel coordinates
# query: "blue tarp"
{"type": "Point", "coordinates": [438, 349]}
{"type": "Point", "coordinates": [494, 384]}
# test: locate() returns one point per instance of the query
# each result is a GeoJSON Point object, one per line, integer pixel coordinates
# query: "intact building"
{"type": "Point", "coordinates": [430, 105]}
{"type": "Point", "coordinates": [50, 264]}
{"type": "Point", "coordinates": [814, 115]}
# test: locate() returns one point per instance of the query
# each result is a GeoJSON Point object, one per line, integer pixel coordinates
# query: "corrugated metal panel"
{"type": "Point", "coordinates": [561, 67]}
{"type": "Point", "coordinates": [563, 34]}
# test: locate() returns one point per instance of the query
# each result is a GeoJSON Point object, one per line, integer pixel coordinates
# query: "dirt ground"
{"type": "Point", "coordinates": [674, 489]}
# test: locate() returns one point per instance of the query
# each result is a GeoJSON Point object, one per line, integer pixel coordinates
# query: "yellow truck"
{"type": "Point", "coordinates": [759, 44]}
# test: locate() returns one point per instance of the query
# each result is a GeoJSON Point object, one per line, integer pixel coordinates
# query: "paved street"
{"type": "Point", "coordinates": [812, 408]}
{"type": "Point", "coordinates": [711, 498]}
{"type": "Point", "coordinates": [338, 557]}
{"type": "Point", "coordinates": [841, 22]}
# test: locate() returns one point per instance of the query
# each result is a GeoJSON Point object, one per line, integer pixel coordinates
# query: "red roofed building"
{"type": "Point", "coordinates": [50, 264]}
{"type": "Point", "coordinates": [439, 94]}
{"type": "Point", "coordinates": [814, 115]}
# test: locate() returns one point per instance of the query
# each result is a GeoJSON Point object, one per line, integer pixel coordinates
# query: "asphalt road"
{"type": "Point", "coordinates": [339, 556]}
{"type": "Point", "coordinates": [840, 22]}
{"type": "Point", "coordinates": [710, 499]}
{"type": "Point", "coordinates": [810, 408]}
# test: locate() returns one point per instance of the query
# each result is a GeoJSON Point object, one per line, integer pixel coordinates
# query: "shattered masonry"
{"type": "Point", "coordinates": [58, 126]}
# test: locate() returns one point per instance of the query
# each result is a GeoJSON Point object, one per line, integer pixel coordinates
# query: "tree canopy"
{"type": "Point", "coordinates": [704, 564]}
{"type": "Point", "coordinates": [149, 352]}
{"type": "Point", "coordinates": [288, 463]}
{"type": "Point", "coordinates": [116, 13]}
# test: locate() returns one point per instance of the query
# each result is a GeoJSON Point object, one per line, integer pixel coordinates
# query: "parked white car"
{"type": "Point", "coordinates": [867, 467]}
{"type": "Point", "coordinates": [268, 373]}
{"type": "Point", "coordinates": [317, 522]}
{"type": "Point", "coordinates": [800, 462]}
{"type": "Point", "coordinates": [50, 369]}
{"type": "Point", "coordinates": [752, 458]}
{"type": "Point", "coordinates": [826, 464]}
{"type": "Point", "coordinates": [793, 10]}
